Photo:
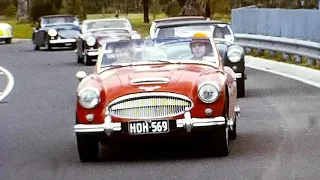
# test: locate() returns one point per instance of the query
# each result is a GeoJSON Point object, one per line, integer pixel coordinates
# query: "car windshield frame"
{"type": "Point", "coordinates": [212, 27]}
{"type": "Point", "coordinates": [155, 46]}
{"type": "Point", "coordinates": [126, 24]}
{"type": "Point", "coordinates": [44, 20]}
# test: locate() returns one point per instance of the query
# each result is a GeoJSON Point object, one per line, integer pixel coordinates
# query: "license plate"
{"type": "Point", "coordinates": [68, 44]}
{"type": "Point", "coordinates": [148, 127]}
{"type": "Point", "coordinates": [1, 33]}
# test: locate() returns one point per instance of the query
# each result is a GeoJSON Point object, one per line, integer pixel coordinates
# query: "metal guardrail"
{"type": "Point", "coordinates": [299, 48]}
{"type": "Point", "coordinates": [10, 83]}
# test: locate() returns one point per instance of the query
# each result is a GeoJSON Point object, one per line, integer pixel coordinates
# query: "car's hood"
{"type": "Point", "coordinates": [176, 78]}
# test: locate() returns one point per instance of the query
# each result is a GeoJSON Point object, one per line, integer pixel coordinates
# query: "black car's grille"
{"type": "Point", "coordinates": [68, 34]}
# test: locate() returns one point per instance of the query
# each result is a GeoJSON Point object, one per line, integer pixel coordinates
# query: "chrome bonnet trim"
{"type": "Point", "coordinates": [139, 81]}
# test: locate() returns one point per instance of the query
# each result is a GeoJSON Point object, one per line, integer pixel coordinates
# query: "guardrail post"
{"type": "Point", "coordinates": [260, 52]}
{"type": "Point", "coordinates": [311, 62]}
{"type": "Point", "coordinates": [297, 59]}
{"type": "Point", "coordinates": [247, 50]}
{"type": "Point", "coordinates": [285, 56]}
{"type": "Point", "coordinates": [272, 54]}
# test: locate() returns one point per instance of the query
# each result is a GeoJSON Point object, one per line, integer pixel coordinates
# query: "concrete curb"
{"type": "Point", "coordinates": [299, 73]}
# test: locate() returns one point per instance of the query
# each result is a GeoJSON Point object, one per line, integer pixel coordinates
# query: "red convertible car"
{"type": "Point", "coordinates": [156, 88]}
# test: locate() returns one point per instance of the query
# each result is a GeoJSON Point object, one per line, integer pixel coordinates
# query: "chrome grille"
{"type": "Point", "coordinates": [150, 105]}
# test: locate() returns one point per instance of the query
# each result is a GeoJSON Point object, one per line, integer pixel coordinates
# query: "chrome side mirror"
{"type": "Point", "coordinates": [80, 75]}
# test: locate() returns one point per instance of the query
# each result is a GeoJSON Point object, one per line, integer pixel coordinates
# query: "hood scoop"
{"type": "Point", "coordinates": [139, 81]}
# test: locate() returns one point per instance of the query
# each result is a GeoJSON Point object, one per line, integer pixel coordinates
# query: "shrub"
{"type": "Point", "coordinates": [10, 11]}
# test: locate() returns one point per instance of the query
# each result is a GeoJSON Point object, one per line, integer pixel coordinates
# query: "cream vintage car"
{"type": "Point", "coordinates": [6, 33]}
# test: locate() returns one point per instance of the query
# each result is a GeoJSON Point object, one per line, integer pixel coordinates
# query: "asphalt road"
{"type": "Point", "coordinates": [278, 130]}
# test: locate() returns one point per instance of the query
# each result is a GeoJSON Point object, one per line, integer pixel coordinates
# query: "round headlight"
{"type": "Point", "coordinates": [234, 55]}
{"type": "Point", "coordinates": [91, 41]}
{"type": "Point", "coordinates": [89, 97]}
{"type": "Point", "coordinates": [52, 32]}
{"type": "Point", "coordinates": [208, 92]}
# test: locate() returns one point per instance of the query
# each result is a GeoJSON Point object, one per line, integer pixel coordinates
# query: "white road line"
{"type": "Point", "coordinates": [309, 82]}
{"type": "Point", "coordinates": [10, 84]}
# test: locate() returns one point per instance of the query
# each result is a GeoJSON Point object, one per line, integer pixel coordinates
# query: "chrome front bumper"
{"type": "Point", "coordinates": [61, 41]}
{"type": "Point", "coordinates": [92, 52]}
{"type": "Point", "coordinates": [187, 123]}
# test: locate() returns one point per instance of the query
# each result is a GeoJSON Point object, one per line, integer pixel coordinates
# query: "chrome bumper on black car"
{"type": "Point", "coordinates": [91, 52]}
{"type": "Point", "coordinates": [61, 41]}
{"type": "Point", "coordinates": [187, 123]}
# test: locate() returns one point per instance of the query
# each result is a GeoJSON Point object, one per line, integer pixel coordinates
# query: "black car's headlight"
{"type": "Point", "coordinates": [208, 92]}
{"type": "Point", "coordinates": [91, 41]}
{"type": "Point", "coordinates": [89, 97]}
{"type": "Point", "coordinates": [52, 32]}
{"type": "Point", "coordinates": [235, 53]}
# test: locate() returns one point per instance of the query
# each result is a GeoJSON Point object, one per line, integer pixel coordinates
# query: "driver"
{"type": "Point", "coordinates": [200, 46]}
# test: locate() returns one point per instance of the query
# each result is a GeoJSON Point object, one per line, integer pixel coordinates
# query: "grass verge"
{"type": "Point", "coordinates": [290, 60]}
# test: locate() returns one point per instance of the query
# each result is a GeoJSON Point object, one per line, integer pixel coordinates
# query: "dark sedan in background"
{"type": "Point", "coordinates": [56, 31]}
{"type": "Point", "coordinates": [97, 32]}
{"type": "Point", "coordinates": [232, 54]}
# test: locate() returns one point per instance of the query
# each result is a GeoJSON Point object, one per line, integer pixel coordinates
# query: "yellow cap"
{"type": "Point", "coordinates": [200, 35]}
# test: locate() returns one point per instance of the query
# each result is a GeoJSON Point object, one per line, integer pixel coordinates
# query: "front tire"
{"type": "Point", "coordinates": [88, 60]}
{"type": "Point", "coordinates": [241, 88]}
{"type": "Point", "coordinates": [8, 40]}
{"type": "Point", "coordinates": [88, 147]}
{"type": "Point", "coordinates": [220, 145]}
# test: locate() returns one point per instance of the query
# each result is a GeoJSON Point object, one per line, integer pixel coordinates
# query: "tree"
{"type": "Point", "coordinates": [146, 11]}
{"type": "Point", "coordinates": [193, 8]}
{"type": "Point", "coordinates": [22, 10]}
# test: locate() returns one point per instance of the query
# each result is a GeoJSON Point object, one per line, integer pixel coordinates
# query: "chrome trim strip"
{"type": "Point", "coordinates": [92, 53]}
{"type": "Point", "coordinates": [157, 80]}
{"type": "Point", "coordinates": [57, 41]}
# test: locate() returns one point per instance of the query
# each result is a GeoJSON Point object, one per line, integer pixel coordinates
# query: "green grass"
{"type": "Point", "coordinates": [278, 57]}
{"type": "Point", "coordinates": [24, 30]}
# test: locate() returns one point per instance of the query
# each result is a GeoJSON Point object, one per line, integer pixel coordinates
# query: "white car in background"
{"type": "Point", "coordinates": [6, 33]}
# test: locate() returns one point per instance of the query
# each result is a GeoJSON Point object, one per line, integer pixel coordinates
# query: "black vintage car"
{"type": "Point", "coordinates": [95, 33]}
{"type": "Point", "coordinates": [232, 54]}
{"type": "Point", "coordinates": [56, 31]}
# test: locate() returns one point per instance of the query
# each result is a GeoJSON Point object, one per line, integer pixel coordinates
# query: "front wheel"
{"type": "Point", "coordinates": [88, 147]}
{"type": "Point", "coordinates": [241, 87]}
{"type": "Point", "coordinates": [88, 60]}
{"type": "Point", "coordinates": [8, 40]}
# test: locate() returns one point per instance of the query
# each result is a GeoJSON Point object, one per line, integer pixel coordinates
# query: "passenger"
{"type": "Point", "coordinates": [200, 46]}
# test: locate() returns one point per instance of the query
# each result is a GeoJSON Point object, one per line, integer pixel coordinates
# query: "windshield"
{"type": "Point", "coordinates": [47, 21]}
{"type": "Point", "coordinates": [158, 50]}
{"type": "Point", "coordinates": [211, 30]}
{"type": "Point", "coordinates": [102, 24]}
{"type": "Point", "coordinates": [110, 32]}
